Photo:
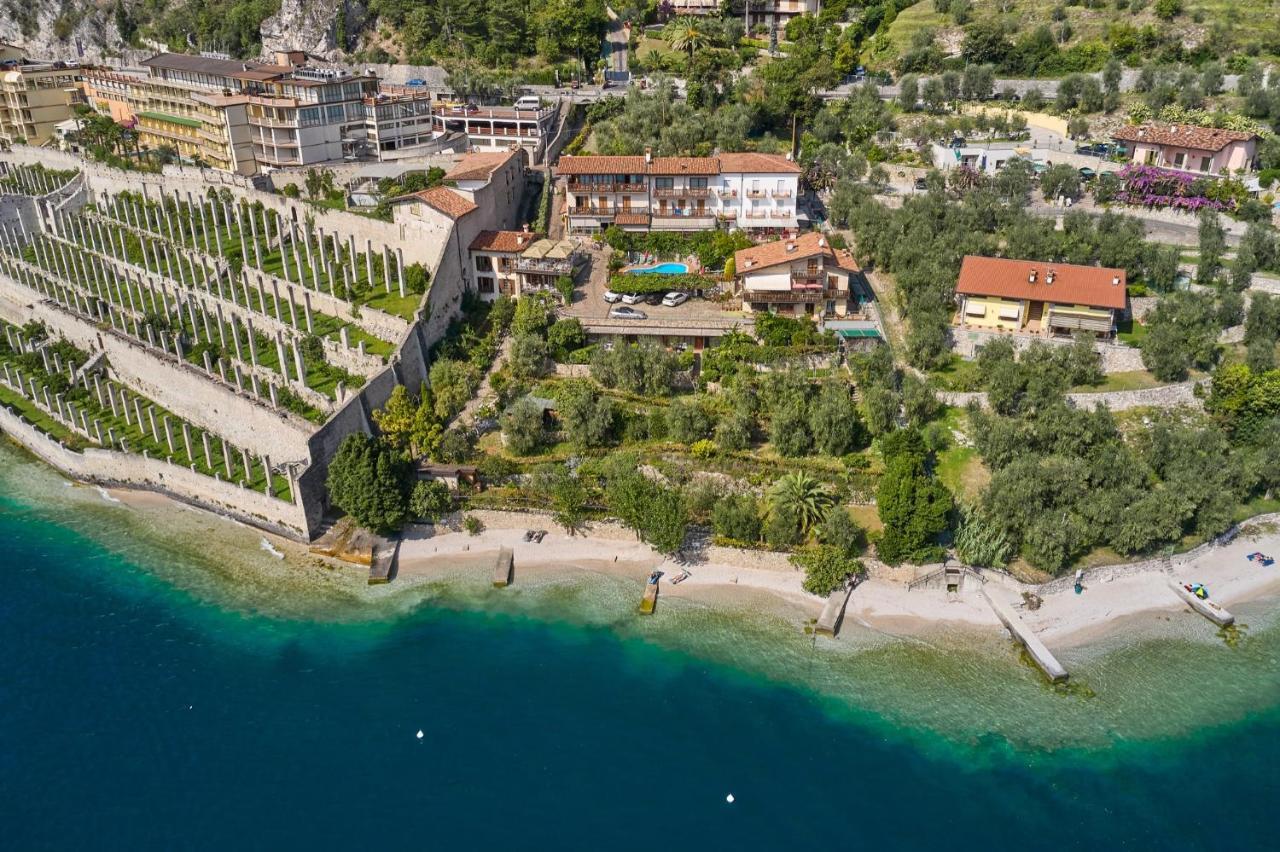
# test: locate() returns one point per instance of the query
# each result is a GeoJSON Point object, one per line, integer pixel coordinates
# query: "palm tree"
{"type": "Point", "coordinates": [683, 33]}
{"type": "Point", "coordinates": [799, 492]}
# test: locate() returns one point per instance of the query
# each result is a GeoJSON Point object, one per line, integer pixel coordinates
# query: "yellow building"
{"type": "Point", "coordinates": [34, 97]}
{"type": "Point", "coordinates": [203, 127]}
{"type": "Point", "coordinates": [1032, 297]}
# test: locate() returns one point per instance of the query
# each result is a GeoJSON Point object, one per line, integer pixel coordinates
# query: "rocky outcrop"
{"type": "Point", "coordinates": [316, 26]}
{"type": "Point", "coordinates": [75, 31]}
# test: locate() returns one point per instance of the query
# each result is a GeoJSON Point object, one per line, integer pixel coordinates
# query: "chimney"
{"type": "Point", "coordinates": [1115, 280]}
{"type": "Point", "coordinates": [791, 247]}
{"type": "Point", "coordinates": [648, 155]}
{"type": "Point", "coordinates": [822, 242]}
{"type": "Point", "coordinates": [1049, 276]}
{"type": "Point", "coordinates": [1032, 277]}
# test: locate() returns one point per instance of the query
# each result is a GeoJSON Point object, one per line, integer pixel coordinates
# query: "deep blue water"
{"type": "Point", "coordinates": [135, 715]}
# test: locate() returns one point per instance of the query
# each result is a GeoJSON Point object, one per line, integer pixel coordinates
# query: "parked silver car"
{"type": "Point", "coordinates": [626, 313]}
{"type": "Point", "coordinates": [674, 299]}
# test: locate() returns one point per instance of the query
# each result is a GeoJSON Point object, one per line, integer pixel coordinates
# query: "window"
{"type": "Point", "coordinates": [698, 183]}
{"type": "Point", "coordinates": [1179, 160]}
{"type": "Point", "coordinates": [664, 183]}
{"type": "Point", "coordinates": [1206, 164]}
{"type": "Point", "coordinates": [484, 263]}
{"type": "Point", "coordinates": [484, 285]}
{"type": "Point", "coordinates": [1149, 159]}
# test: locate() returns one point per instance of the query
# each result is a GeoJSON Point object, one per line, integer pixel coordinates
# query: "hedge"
{"type": "Point", "coordinates": [652, 282]}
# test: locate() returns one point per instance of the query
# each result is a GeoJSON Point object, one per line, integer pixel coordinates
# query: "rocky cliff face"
{"type": "Point", "coordinates": [70, 30]}
{"type": "Point", "coordinates": [320, 27]}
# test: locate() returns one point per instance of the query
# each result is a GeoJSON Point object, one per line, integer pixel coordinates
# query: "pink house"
{"type": "Point", "coordinates": [1200, 150]}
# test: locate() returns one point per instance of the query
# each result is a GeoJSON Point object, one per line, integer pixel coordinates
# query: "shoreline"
{"type": "Point", "coordinates": [764, 582]}
{"type": "Point", "coordinates": [1111, 596]}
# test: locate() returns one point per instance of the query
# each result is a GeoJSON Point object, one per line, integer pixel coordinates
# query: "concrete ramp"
{"type": "Point", "coordinates": [1207, 608]}
{"type": "Point", "coordinates": [1039, 653]}
{"type": "Point", "coordinates": [833, 611]}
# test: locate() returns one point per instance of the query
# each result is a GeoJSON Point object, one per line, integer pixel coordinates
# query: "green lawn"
{"type": "Point", "coordinates": [957, 375]}
{"type": "Point", "coordinates": [33, 415]}
{"type": "Point", "coordinates": [1132, 333]}
{"type": "Point", "coordinates": [1134, 380]}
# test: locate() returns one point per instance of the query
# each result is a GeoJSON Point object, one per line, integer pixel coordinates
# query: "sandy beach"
{"type": "Point", "coordinates": [883, 603]}
{"type": "Point", "coordinates": [767, 582]}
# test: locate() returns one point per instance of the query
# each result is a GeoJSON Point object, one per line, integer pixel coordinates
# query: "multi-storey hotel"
{"type": "Point", "coordinates": [239, 116]}
{"type": "Point", "coordinates": [34, 96]}
{"type": "Point", "coordinates": [754, 192]}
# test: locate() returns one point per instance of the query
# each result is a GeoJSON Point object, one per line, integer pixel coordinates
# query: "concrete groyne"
{"type": "Point", "coordinates": [1041, 655]}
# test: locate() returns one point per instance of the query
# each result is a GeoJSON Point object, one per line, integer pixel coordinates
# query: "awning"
{"type": "Point", "coordinates": [1009, 313]}
{"type": "Point", "coordinates": [854, 333]}
{"type": "Point", "coordinates": [975, 311]}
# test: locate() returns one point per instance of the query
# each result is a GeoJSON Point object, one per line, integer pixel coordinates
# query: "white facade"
{"type": "Point", "coordinates": [681, 193]}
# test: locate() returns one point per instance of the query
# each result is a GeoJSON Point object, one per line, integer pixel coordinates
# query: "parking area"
{"type": "Point", "coordinates": [690, 323]}
{"type": "Point", "coordinates": [589, 303]}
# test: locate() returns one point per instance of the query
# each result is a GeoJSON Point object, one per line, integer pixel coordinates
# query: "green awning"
{"type": "Point", "coordinates": [171, 119]}
{"type": "Point", "coordinates": [849, 333]}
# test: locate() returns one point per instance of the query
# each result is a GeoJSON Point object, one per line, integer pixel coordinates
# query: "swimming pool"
{"type": "Point", "coordinates": [661, 269]}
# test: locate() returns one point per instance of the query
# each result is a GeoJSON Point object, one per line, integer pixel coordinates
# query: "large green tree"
{"type": "Point", "coordinates": [370, 481]}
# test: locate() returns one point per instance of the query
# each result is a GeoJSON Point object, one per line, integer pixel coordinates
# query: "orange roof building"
{"type": "Point", "coordinates": [754, 192]}
{"type": "Point", "coordinates": [1029, 296]}
{"type": "Point", "coordinates": [1208, 151]}
{"type": "Point", "coordinates": [804, 276]}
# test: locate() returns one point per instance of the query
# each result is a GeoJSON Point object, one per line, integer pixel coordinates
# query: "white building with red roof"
{"type": "Point", "coordinates": [804, 276]}
{"type": "Point", "coordinates": [754, 192]}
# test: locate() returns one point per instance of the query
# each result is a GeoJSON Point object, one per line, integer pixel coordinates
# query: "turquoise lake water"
{"type": "Point", "coordinates": [167, 683]}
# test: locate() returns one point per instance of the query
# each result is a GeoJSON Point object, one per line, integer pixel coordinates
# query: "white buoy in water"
{"type": "Point", "coordinates": [419, 733]}
{"type": "Point", "coordinates": [729, 798]}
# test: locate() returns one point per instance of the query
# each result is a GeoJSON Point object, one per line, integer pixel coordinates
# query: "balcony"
{"type": "Point", "coordinates": [726, 215]}
{"type": "Point", "coordinates": [579, 186]}
{"type": "Point", "coordinates": [780, 193]}
{"type": "Point", "coordinates": [588, 210]}
{"type": "Point", "coordinates": [543, 266]}
{"type": "Point", "coordinates": [756, 214]}
{"type": "Point", "coordinates": [725, 192]}
{"type": "Point", "coordinates": [757, 193]}
{"type": "Point", "coordinates": [786, 296]}
{"type": "Point", "coordinates": [808, 279]}
{"type": "Point", "coordinates": [682, 192]}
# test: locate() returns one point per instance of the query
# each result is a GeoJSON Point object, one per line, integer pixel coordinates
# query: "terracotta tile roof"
{"type": "Point", "coordinates": [504, 241]}
{"type": "Point", "coordinates": [763, 163]}
{"type": "Point", "coordinates": [1182, 135]}
{"type": "Point", "coordinates": [600, 166]}
{"type": "Point", "coordinates": [721, 164]}
{"type": "Point", "coordinates": [445, 200]}
{"type": "Point", "coordinates": [631, 219]}
{"type": "Point", "coordinates": [480, 166]}
{"type": "Point", "coordinates": [809, 244]}
{"type": "Point", "coordinates": [684, 166]}
{"type": "Point", "coordinates": [1095, 286]}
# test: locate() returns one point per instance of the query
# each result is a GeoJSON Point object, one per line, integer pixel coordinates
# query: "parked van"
{"type": "Point", "coordinates": [529, 102]}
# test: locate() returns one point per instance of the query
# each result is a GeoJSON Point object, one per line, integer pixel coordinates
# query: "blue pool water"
{"type": "Point", "coordinates": [662, 269]}
{"type": "Point", "coordinates": [153, 695]}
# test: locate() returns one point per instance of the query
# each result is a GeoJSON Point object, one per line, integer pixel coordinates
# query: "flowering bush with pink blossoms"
{"type": "Point", "coordinates": [1151, 186]}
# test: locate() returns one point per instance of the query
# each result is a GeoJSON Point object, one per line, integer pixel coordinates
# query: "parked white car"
{"type": "Point", "coordinates": [632, 298]}
{"type": "Point", "coordinates": [611, 297]}
{"type": "Point", "coordinates": [674, 299]}
{"type": "Point", "coordinates": [627, 314]}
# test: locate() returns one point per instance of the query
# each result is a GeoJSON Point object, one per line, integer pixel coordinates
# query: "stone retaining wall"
{"type": "Point", "coordinates": [1165, 396]}
{"type": "Point", "coordinates": [1116, 357]}
{"type": "Point", "coordinates": [111, 467]}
